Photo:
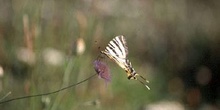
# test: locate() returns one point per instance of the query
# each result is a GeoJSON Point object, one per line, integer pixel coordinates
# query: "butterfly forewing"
{"type": "Point", "coordinates": [117, 50]}
{"type": "Point", "coordinates": [117, 47]}
{"type": "Point", "coordinates": [121, 46]}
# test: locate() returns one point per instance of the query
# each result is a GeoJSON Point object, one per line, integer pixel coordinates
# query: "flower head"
{"type": "Point", "coordinates": [102, 70]}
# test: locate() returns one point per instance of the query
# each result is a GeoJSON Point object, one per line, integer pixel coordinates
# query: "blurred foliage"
{"type": "Point", "coordinates": [49, 44]}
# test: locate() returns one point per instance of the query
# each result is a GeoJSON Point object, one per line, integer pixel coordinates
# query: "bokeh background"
{"type": "Point", "coordinates": [49, 44]}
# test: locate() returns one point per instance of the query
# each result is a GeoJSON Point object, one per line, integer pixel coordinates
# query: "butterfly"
{"type": "Point", "coordinates": [117, 51]}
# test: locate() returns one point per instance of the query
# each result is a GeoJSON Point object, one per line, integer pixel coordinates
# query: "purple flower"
{"type": "Point", "coordinates": [102, 70]}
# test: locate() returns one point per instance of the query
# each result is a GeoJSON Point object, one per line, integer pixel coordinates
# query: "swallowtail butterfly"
{"type": "Point", "coordinates": [117, 51]}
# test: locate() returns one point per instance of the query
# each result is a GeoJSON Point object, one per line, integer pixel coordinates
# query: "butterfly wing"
{"type": "Point", "coordinates": [120, 44]}
{"type": "Point", "coordinates": [117, 50]}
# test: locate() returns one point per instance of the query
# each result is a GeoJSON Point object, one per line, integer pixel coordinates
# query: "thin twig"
{"type": "Point", "coordinates": [66, 76]}
{"type": "Point", "coordinates": [37, 95]}
{"type": "Point", "coordinates": [5, 96]}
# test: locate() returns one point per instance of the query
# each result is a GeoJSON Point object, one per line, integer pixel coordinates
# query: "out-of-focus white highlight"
{"type": "Point", "coordinates": [53, 57]}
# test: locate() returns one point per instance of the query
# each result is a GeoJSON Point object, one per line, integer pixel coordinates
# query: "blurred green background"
{"type": "Point", "coordinates": [49, 44]}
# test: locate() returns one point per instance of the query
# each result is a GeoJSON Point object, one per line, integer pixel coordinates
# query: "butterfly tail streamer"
{"type": "Point", "coordinates": [143, 81]}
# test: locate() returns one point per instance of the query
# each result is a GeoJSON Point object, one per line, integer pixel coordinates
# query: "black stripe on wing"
{"type": "Point", "coordinates": [110, 48]}
{"type": "Point", "coordinates": [117, 51]}
{"type": "Point", "coordinates": [124, 43]}
{"type": "Point", "coordinates": [117, 47]}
